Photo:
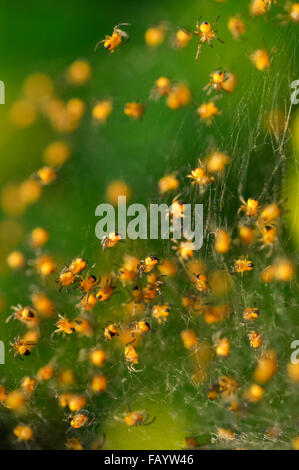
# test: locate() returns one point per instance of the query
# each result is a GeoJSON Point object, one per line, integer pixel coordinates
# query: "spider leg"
{"type": "Point", "coordinates": [122, 24]}
{"type": "Point", "coordinates": [198, 20]}
{"type": "Point", "coordinates": [16, 308]}
{"type": "Point", "coordinates": [270, 251]}
{"type": "Point", "coordinates": [53, 333]}
{"type": "Point", "coordinates": [132, 369]}
{"type": "Point", "coordinates": [103, 242]}
{"type": "Point", "coordinates": [216, 21]}
{"type": "Point", "coordinates": [85, 294]}
{"type": "Point", "coordinates": [185, 30]}
{"type": "Point", "coordinates": [9, 318]}
{"type": "Point", "coordinates": [124, 35]}
{"type": "Point", "coordinates": [150, 422]}
{"type": "Point", "coordinates": [97, 44]}
{"type": "Point", "coordinates": [197, 52]}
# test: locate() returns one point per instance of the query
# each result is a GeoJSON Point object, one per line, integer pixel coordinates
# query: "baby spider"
{"type": "Point", "coordinates": [182, 38]}
{"type": "Point", "coordinates": [138, 328]}
{"type": "Point", "coordinates": [153, 287]}
{"type": "Point", "coordinates": [131, 356]}
{"type": "Point", "coordinates": [160, 312]}
{"type": "Point", "coordinates": [236, 26]}
{"type": "Point", "coordinates": [88, 283]}
{"type": "Point", "coordinates": [78, 420]}
{"type": "Point", "coordinates": [77, 265]}
{"type": "Point", "coordinates": [150, 293]}
{"type": "Point", "coordinates": [293, 12]}
{"type": "Point", "coordinates": [207, 111]}
{"type": "Point", "coordinates": [268, 215]}
{"type": "Point", "coordinates": [176, 210]}
{"type": "Point", "coordinates": [255, 339]}
{"type": "Point", "coordinates": [243, 265]}
{"type": "Point", "coordinates": [136, 418]}
{"type": "Point", "coordinates": [87, 302]}
{"type": "Point", "coordinates": [183, 249]}
{"type": "Point", "coordinates": [162, 88]}
{"type": "Point", "coordinates": [64, 326]}
{"type": "Point", "coordinates": [21, 347]}
{"type": "Point", "coordinates": [126, 275]}
{"type": "Point", "coordinates": [250, 207]}
{"type": "Point", "coordinates": [23, 433]}
{"type": "Point", "coordinates": [217, 79]}
{"type": "Point", "coordinates": [74, 444]}
{"type": "Point", "coordinates": [168, 183]}
{"type": "Point", "coordinates": [268, 236]}
{"type": "Point", "coordinates": [66, 278]}
{"type": "Point", "coordinates": [216, 161]}
{"type": "Point", "coordinates": [227, 385]}
{"type": "Point", "coordinates": [200, 177]}
{"type": "Point", "coordinates": [206, 33]}
{"type": "Point", "coordinates": [194, 303]}
{"type": "Point", "coordinates": [128, 271]}
{"type": "Point", "coordinates": [148, 264]}
{"type": "Point", "coordinates": [201, 282]}
{"type": "Point", "coordinates": [25, 314]}
{"type": "Point", "coordinates": [251, 313]}
{"type": "Point", "coordinates": [111, 43]}
{"type": "Point", "coordinates": [106, 290]}
{"type": "Point", "coordinates": [111, 331]}
{"type": "Point", "coordinates": [266, 224]}
{"type": "Point", "coordinates": [46, 175]}
{"type": "Point", "coordinates": [137, 294]}
{"type": "Point", "coordinates": [111, 240]}
{"type": "Point", "coordinates": [83, 326]}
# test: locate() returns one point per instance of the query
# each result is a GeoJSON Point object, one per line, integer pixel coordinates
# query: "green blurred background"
{"type": "Point", "coordinates": [47, 37]}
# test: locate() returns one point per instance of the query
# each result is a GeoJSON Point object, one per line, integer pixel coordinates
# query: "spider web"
{"type": "Point", "coordinates": [164, 387]}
